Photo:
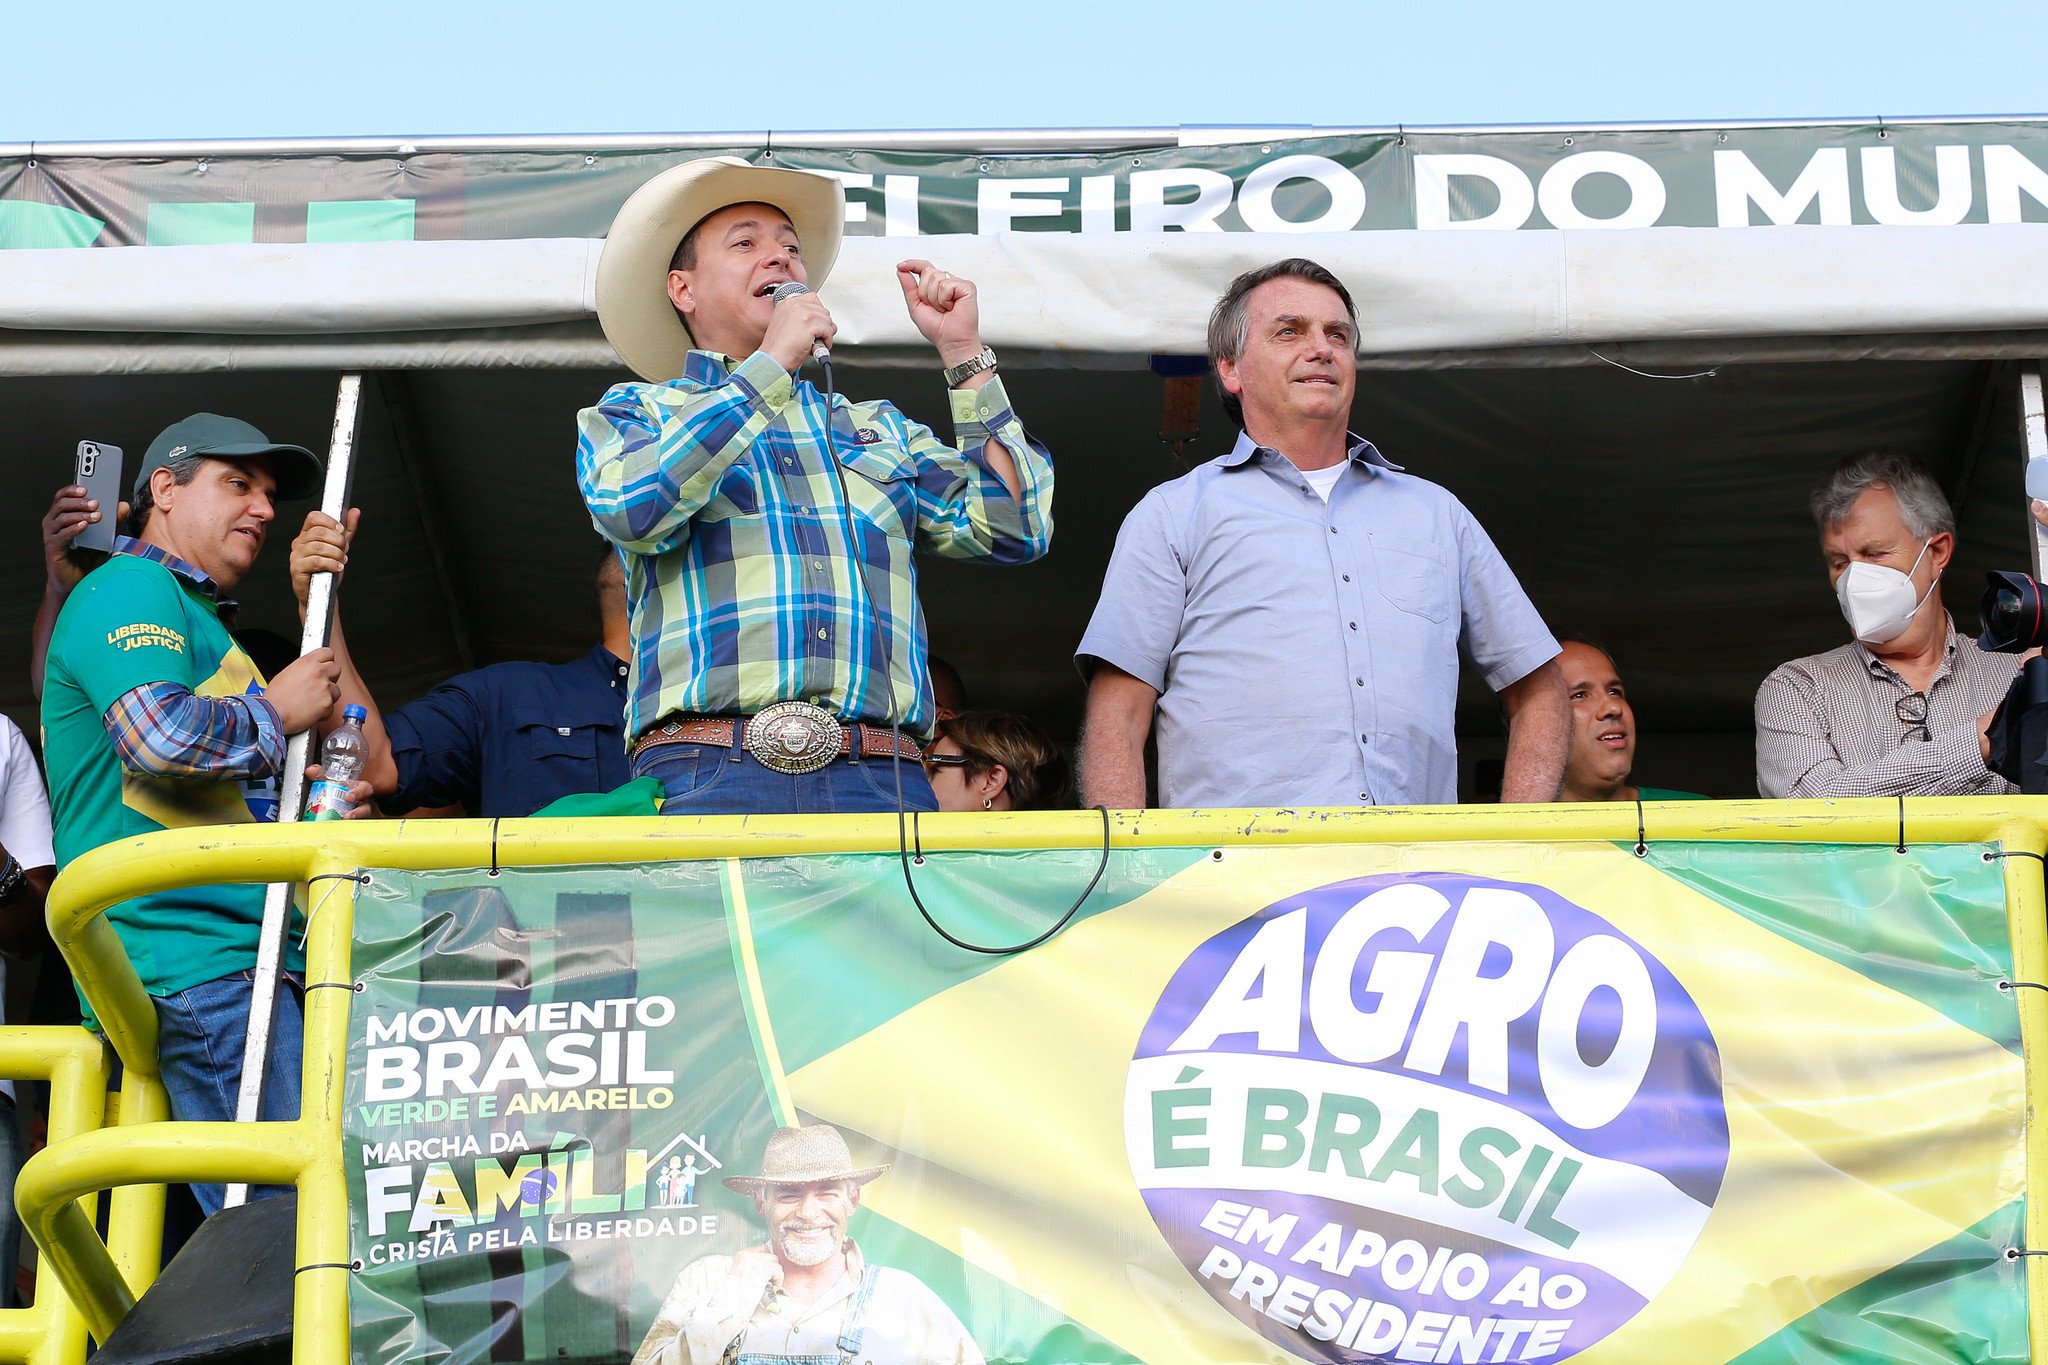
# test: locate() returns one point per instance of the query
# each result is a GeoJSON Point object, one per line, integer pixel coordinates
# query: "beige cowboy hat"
{"type": "Point", "coordinates": [632, 274]}
{"type": "Point", "coordinates": [799, 1156]}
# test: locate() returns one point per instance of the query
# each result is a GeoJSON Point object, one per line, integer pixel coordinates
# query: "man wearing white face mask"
{"type": "Point", "coordinates": [1902, 709]}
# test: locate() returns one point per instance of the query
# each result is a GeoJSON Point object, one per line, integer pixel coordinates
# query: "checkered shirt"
{"type": "Point", "coordinates": [742, 559]}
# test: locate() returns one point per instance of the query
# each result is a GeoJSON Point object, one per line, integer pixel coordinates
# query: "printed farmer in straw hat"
{"type": "Point", "coordinates": [767, 526]}
{"type": "Point", "coordinates": [806, 1295]}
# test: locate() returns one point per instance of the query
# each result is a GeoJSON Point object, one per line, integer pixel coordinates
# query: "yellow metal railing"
{"type": "Point", "coordinates": [49, 1331]}
{"type": "Point", "coordinates": [142, 1148]}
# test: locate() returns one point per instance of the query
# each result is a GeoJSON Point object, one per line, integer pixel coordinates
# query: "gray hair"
{"type": "Point", "coordinates": [183, 469]}
{"type": "Point", "coordinates": [1922, 505]}
{"type": "Point", "coordinates": [1229, 327]}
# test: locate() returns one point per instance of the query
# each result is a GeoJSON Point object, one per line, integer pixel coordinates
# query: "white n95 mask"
{"type": "Point", "coordinates": [1878, 602]}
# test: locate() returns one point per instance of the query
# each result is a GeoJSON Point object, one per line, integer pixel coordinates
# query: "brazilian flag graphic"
{"type": "Point", "coordinates": [1728, 1102]}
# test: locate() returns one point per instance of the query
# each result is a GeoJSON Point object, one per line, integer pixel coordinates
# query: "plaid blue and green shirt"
{"type": "Point", "coordinates": [744, 585]}
{"type": "Point", "coordinates": [164, 729]}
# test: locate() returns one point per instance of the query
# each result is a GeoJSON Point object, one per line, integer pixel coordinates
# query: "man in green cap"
{"type": "Point", "coordinates": [154, 719]}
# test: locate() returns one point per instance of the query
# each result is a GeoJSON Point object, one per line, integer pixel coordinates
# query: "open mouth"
{"type": "Point", "coordinates": [1613, 739]}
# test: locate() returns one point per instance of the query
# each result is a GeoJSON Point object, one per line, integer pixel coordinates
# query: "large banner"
{"type": "Point", "coordinates": [1488, 1102]}
{"type": "Point", "coordinates": [1912, 174]}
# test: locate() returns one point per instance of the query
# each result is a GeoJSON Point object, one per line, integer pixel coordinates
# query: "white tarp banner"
{"type": "Point", "coordinates": [1058, 295]}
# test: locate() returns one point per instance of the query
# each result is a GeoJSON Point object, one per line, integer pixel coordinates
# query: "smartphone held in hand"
{"type": "Point", "coordinates": [99, 474]}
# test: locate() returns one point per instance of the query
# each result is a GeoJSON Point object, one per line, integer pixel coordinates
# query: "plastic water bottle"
{"type": "Point", "coordinates": [2037, 477]}
{"type": "Point", "coordinates": [341, 761]}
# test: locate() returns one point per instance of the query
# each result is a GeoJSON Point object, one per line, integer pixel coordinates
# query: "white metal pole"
{"type": "Point", "coordinates": [2034, 429]}
{"type": "Point", "coordinates": [277, 900]}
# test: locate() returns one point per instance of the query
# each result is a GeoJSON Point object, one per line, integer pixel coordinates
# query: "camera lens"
{"type": "Point", "coordinates": [2010, 613]}
{"type": "Point", "coordinates": [2002, 611]}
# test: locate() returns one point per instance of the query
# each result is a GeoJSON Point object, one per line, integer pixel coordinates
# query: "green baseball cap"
{"type": "Point", "coordinates": [214, 437]}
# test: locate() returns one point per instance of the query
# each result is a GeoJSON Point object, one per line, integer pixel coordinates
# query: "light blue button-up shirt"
{"type": "Point", "coordinates": [1306, 654]}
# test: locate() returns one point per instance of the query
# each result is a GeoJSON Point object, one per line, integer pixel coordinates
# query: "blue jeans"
{"type": "Point", "coordinates": [201, 1033]}
{"type": "Point", "coordinates": [703, 779]}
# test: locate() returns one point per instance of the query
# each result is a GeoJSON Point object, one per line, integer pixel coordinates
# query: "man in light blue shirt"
{"type": "Point", "coordinates": [1294, 611]}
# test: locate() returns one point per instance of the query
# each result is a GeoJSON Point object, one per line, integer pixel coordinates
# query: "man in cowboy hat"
{"type": "Point", "coordinates": [808, 1292]}
{"type": "Point", "coordinates": [767, 527]}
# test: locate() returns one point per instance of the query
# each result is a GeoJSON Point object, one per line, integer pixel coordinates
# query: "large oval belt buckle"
{"type": "Point", "coordinates": [793, 737]}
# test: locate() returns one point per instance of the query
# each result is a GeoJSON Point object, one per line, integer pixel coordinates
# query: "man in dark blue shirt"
{"type": "Point", "coordinates": [506, 740]}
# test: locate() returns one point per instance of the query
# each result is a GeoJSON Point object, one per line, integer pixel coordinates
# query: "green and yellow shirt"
{"type": "Point", "coordinates": [141, 631]}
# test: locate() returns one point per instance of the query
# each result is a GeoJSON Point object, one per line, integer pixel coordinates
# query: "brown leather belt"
{"type": "Point", "coordinates": [727, 732]}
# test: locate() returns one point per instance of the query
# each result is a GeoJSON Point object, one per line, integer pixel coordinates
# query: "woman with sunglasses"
{"type": "Point", "coordinates": [992, 760]}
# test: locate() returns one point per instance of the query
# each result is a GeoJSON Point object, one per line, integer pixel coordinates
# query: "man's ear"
{"type": "Point", "coordinates": [1226, 375]}
{"type": "Point", "coordinates": [1941, 548]}
{"type": "Point", "coordinates": [162, 488]}
{"type": "Point", "coordinates": [680, 293]}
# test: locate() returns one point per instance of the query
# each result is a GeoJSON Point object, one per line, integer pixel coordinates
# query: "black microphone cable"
{"type": "Point", "coordinates": [905, 818]}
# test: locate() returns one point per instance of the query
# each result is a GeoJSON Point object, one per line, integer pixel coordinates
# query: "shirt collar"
{"type": "Point", "coordinates": [1948, 655]}
{"type": "Point", "coordinates": [856, 1266]}
{"type": "Point", "coordinates": [707, 367]}
{"type": "Point", "coordinates": [610, 665]}
{"type": "Point", "coordinates": [198, 578]}
{"type": "Point", "coordinates": [1361, 452]}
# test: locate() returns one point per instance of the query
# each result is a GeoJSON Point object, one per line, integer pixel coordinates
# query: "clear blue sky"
{"type": "Point", "coordinates": [234, 68]}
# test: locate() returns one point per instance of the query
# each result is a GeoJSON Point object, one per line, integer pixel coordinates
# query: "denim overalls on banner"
{"type": "Point", "coordinates": [849, 1335]}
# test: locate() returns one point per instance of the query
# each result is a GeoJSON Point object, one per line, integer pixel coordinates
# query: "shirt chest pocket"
{"type": "Point", "coordinates": [738, 494]}
{"type": "Point", "coordinates": [1415, 576]}
{"type": "Point", "coordinates": [555, 741]}
{"type": "Point", "coordinates": [881, 485]}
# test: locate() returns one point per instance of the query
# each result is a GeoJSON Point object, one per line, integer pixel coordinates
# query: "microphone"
{"type": "Point", "coordinates": [789, 289]}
